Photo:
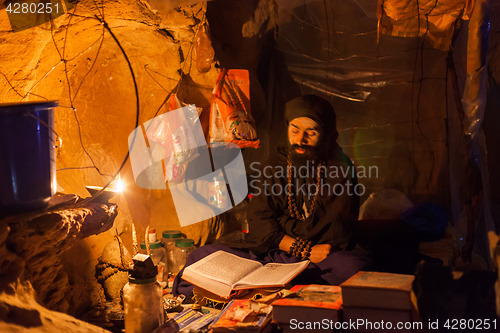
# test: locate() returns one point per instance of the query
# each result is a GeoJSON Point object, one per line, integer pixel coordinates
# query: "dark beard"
{"type": "Point", "coordinates": [311, 154]}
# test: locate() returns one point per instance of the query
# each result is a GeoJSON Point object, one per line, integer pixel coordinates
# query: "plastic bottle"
{"type": "Point", "coordinates": [239, 215]}
{"type": "Point", "coordinates": [217, 193]}
{"type": "Point", "coordinates": [142, 297]}
{"type": "Point", "coordinates": [183, 247]}
{"type": "Point", "coordinates": [244, 222]}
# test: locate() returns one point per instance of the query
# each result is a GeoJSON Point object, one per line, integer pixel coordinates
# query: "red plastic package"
{"type": "Point", "coordinates": [230, 116]}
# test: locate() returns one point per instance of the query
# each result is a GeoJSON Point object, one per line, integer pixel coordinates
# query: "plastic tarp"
{"type": "Point", "coordinates": [431, 19]}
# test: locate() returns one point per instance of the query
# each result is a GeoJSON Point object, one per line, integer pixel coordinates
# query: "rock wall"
{"type": "Point", "coordinates": [20, 312]}
{"type": "Point", "coordinates": [75, 60]}
{"type": "Point", "coordinates": [31, 249]}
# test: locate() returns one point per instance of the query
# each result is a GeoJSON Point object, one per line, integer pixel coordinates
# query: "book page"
{"type": "Point", "coordinates": [223, 267]}
{"type": "Point", "coordinates": [273, 274]}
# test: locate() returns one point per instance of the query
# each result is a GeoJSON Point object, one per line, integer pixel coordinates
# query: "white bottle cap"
{"type": "Point", "coordinates": [152, 237]}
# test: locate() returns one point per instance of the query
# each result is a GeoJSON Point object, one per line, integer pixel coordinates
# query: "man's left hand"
{"type": "Point", "coordinates": [319, 252]}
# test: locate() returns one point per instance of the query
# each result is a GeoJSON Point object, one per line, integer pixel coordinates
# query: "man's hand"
{"type": "Point", "coordinates": [319, 252]}
{"type": "Point", "coordinates": [286, 242]}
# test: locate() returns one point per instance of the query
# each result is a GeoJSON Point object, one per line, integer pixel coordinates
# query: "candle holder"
{"type": "Point", "coordinates": [104, 196]}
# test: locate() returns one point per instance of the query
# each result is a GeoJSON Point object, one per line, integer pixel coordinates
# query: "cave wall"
{"type": "Point", "coordinates": [22, 313]}
{"type": "Point", "coordinates": [73, 59]}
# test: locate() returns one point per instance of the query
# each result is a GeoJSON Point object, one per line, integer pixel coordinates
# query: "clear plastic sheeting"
{"type": "Point", "coordinates": [476, 207]}
{"type": "Point", "coordinates": [474, 97]}
{"type": "Point", "coordinates": [474, 102]}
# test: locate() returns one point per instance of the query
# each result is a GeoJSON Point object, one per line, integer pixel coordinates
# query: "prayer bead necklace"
{"type": "Point", "coordinates": [292, 204]}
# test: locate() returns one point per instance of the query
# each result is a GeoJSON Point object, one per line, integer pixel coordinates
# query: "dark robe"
{"type": "Point", "coordinates": [333, 215]}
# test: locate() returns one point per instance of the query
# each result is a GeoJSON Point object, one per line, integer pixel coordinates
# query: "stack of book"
{"type": "Point", "coordinates": [378, 302]}
{"type": "Point", "coordinates": [311, 308]}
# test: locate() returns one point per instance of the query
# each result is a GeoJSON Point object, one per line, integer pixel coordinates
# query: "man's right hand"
{"type": "Point", "coordinates": [319, 252]}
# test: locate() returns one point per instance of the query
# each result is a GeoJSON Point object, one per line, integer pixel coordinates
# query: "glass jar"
{"type": "Point", "coordinates": [169, 239]}
{"type": "Point", "coordinates": [183, 247]}
{"type": "Point", "coordinates": [143, 305]}
{"type": "Point", "coordinates": [158, 255]}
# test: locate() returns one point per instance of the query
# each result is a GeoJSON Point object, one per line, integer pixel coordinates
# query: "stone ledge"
{"type": "Point", "coordinates": [19, 312]}
{"type": "Point", "coordinates": [31, 244]}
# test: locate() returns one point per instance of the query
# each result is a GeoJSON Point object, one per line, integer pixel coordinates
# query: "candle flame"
{"type": "Point", "coordinates": [118, 185]}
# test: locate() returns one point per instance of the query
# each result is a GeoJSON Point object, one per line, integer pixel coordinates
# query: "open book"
{"type": "Point", "coordinates": [222, 272]}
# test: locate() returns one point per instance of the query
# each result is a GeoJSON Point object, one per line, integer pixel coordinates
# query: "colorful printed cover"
{"type": "Point", "coordinates": [313, 296]}
{"type": "Point", "coordinates": [223, 324]}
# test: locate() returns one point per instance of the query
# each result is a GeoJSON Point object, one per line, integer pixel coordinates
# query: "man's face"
{"type": "Point", "coordinates": [304, 135]}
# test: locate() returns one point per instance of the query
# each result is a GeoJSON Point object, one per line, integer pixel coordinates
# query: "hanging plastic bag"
{"type": "Point", "coordinates": [203, 51]}
{"type": "Point", "coordinates": [173, 133]}
{"type": "Point", "coordinates": [230, 117]}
